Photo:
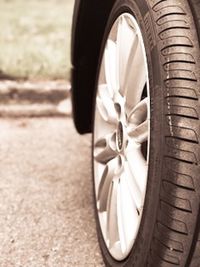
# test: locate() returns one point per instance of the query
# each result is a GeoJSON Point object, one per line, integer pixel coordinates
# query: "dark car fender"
{"type": "Point", "coordinates": [89, 21]}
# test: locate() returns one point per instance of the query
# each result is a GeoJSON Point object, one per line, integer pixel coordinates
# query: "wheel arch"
{"type": "Point", "coordinates": [89, 21]}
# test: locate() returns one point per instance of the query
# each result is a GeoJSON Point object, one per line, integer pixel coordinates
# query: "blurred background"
{"type": "Point", "coordinates": [46, 203]}
{"type": "Point", "coordinates": [35, 39]}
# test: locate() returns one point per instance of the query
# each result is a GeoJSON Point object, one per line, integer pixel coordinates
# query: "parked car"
{"type": "Point", "coordinates": [136, 88]}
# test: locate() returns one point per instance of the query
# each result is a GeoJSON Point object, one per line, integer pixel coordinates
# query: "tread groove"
{"type": "Point", "coordinates": [173, 206]}
{"type": "Point", "coordinates": [171, 229]}
{"type": "Point", "coordinates": [181, 186]}
{"type": "Point", "coordinates": [182, 160]}
{"type": "Point", "coordinates": [182, 139]}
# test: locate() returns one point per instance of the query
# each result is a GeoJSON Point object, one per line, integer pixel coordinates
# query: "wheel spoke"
{"type": "Point", "coordinates": [139, 112]}
{"type": "Point", "coordinates": [133, 186]}
{"type": "Point", "coordinates": [140, 133]}
{"type": "Point", "coordinates": [112, 218]}
{"type": "Point", "coordinates": [127, 216]}
{"type": "Point", "coordinates": [139, 123]}
{"type": "Point", "coordinates": [105, 105]}
{"type": "Point", "coordinates": [136, 75]}
{"type": "Point", "coordinates": [125, 42]}
{"type": "Point", "coordinates": [138, 166]}
{"type": "Point", "coordinates": [112, 168]}
{"type": "Point", "coordinates": [105, 148]}
{"type": "Point", "coordinates": [110, 67]}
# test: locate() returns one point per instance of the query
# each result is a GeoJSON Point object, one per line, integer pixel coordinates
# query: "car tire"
{"type": "Point", "coordinates": [168, 231]}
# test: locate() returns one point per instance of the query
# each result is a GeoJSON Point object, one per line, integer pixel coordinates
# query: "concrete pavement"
{"type": "Point", "coordinates": [46, 213]}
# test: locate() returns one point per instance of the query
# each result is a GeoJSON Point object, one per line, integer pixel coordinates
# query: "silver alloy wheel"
{"type": "Point", "coordinates": [122, 136]}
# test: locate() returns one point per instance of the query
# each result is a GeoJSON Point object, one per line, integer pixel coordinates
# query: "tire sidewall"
{"type": "Point", "coordinates": [141, 12]}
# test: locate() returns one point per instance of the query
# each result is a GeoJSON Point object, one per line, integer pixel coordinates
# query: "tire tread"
{"type": "Point", "coordinates": [179, 196]}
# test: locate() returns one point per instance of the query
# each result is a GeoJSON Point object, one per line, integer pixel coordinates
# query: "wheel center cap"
{"type": "Point", "coordinates": [120, 136]}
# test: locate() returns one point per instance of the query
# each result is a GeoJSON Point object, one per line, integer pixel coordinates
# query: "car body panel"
{"type": "Point", "coordinates": [89, 21]}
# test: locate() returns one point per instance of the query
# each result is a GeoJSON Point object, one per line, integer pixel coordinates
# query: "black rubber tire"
{"type": "Point", "coordinates": [169, 233]}
{"type": "Point", "coordinates": [195, 7]}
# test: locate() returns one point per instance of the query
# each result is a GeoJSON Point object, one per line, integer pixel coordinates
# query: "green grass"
{"type": "Point", "coordinates": [35, 38]}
